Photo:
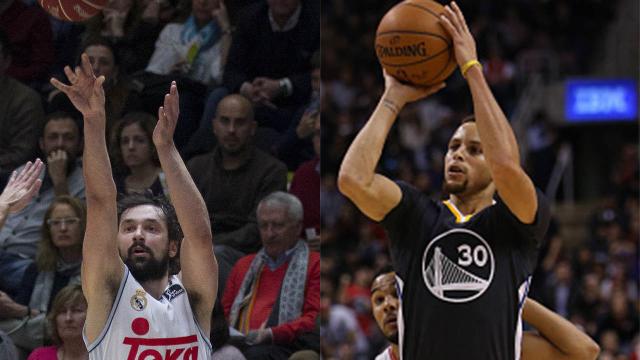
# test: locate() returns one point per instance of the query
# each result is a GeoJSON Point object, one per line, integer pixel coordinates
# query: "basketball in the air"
{"type": "Point", "coordinates": [412, 44]}
{"type": "Point", "coordinates": [73, 10]}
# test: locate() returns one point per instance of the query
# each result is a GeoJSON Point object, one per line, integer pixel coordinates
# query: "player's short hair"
{"type": "Point", "coordinates": [170, 217]}
{"type": "Point", "coordinates": [468, 119]}
{"type": "Point", "coordinates": [384, 270]}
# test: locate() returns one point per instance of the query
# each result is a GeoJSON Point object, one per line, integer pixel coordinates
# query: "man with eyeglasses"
{"type": "Point", "coordinates": [61, 144]}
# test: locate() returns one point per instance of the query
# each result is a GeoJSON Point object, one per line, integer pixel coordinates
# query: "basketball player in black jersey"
{"type": "Point", "coordinates": [463, 265]}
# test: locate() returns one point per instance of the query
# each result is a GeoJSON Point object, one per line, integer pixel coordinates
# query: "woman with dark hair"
{"type": "Point", "coordinates": [135, 161]}
{"type": "Point", "coordinates": [65, 322]}
{"type": "Point", "coordinates": [57, 264]}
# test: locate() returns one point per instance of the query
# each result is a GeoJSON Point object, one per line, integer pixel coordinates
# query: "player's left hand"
{"type": "Point", "coordinates": [167, 118]}
{"type": "Point", "coordinates": [463, 42]}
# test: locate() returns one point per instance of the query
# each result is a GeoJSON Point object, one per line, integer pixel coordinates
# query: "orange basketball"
{"type": "Point", "coordinates": [72, 10]}
{"type": "Point", "coordinates": [413, 46]}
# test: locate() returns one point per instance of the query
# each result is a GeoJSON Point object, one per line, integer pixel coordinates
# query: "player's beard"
{"type": "Point", "coordinates": [393, 338]}
{"type": "Point", "coordinates": [149, 268]}
{"type": "Point", "coordinates": [455, 188]}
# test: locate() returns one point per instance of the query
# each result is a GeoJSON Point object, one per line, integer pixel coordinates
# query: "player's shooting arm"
{"type": "Point", "coordinates": [102, 268]}
{"type": "Point", "coordinates": [199, 267]}
{"type": "Point", "coordinates": [374, 194]}
{"type": "Point", "coordinates": [558, 338]}
{"type": "Point", "coordinates": [498, 140]}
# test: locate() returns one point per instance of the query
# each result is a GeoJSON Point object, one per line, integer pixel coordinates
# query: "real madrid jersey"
{"type": "Point", "coordinates": [461, 279]}
{"type": "Point", "coordinates": [140, 326]}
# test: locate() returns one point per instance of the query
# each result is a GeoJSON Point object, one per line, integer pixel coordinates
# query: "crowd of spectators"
{"type": "Point", "coordinates": [593, 282]}
{"type": "Point", "coordinates": [248, 76]}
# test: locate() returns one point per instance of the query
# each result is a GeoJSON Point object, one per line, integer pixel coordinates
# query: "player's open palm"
{"type": "Point", "coordinates": [22, 186]}
{"type": "Point", "coordinates": [463, 42]}
{"type": "Point", "coordinates": [85, 92]}
{"type": "Point", "coordinates": [401, 93]}
{"type": "Point", "coordinates": [167, 118]}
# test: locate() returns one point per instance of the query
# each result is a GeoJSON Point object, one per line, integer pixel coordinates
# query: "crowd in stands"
{"type": "Point", "coordinates": [249, 129]}
{"type": "Point", "coordinates": [594, 283]}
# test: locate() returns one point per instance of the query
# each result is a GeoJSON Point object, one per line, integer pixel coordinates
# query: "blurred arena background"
{"type": "Point", "coordinates": [566, 74]}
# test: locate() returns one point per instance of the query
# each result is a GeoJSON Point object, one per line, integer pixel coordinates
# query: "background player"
{"type": "Point", "coordinates": [558, 339]}
{"type": "Point", "coordinates": [139, 307]}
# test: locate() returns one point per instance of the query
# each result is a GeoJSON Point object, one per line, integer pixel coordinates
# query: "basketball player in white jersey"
{"type": "Point", "coordinates": [138, 311]}
{"type": "Point", "coordinates": [557, 338]}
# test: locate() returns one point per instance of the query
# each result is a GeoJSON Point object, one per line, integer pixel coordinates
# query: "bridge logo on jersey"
{"type": "Point", "coordinates": [458, 266]}
{"type": "Point", "coordinates": [173, 348]}
{"type": "Point", "coordinates": [139, 300]}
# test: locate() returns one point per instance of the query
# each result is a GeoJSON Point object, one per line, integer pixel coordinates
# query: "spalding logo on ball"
{"type": "Point", "coordinates": [73, 10]}
{"type": "Point", "coordinates": [413, 46]}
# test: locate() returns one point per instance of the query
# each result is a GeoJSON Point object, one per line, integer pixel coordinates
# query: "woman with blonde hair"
{"type": "Point", "coordinates": [57, 264]}
{"type": "Point", "coordinates": [65, 321]}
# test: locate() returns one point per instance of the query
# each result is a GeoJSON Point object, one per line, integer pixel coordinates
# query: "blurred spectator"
{"type": "Point", "coordinates": [133, 26]}
{"type": "Point", "coordinates": [198, 47]}
{"type": "Point", "coordinates": [61, 143]}
{"type": "Point", "coordinates": [270, 59]}
{"type": "Point", "coordinates": [305, 185]}
{"type": "Point", "coordinates": [297, 143]}
{"type": "Point", "coordinates": [232, 179]}
{"type": "Point", "coordinates": [31, 38]}
{"type": "Point", "coordinates": [273, 297]}
{"type": "Point", "coordinates": [20, 116]}
{"type": "Point", "coordinates": [134, 158]}
{"type": "Point", "coordinates": [57, 265]}
{"type": "Point", "coordinates": [120, 95]}
{"type": "Point", "coordinates": [194, 53]}
{"type": "Point", "coordinates": [66, 322]}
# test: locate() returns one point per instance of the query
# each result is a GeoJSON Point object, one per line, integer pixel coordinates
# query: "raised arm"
{"type": "Point", "coordinates": [558, 339]}
{"type": "Point", "coordinates": [374, 194]}
{"type": "Point", "coordinates": [102, 268]}
{"type": "Point", "coordinates": [20, 189]}
{"type": "Point", "coordinates": [498, 140]}
{"type": "Point", "coordinates": [199, 266]}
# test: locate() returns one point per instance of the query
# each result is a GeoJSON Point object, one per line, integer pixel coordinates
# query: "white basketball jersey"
{"type": "Point", "coordinates": [385, 355]}
{"type": "Point", "coordinates": [140, 327]}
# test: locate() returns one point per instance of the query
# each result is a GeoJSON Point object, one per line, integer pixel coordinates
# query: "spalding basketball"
{"type": "Point", "coordinates": [413, 46]}
{"type": "Point", "coordinates": [73, 10]}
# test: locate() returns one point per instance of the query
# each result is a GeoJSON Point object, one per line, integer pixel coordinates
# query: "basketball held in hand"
{"type": "Point", "coordinates": [73, 10]}
{"type": "Point", "coordinates": [413, 46]}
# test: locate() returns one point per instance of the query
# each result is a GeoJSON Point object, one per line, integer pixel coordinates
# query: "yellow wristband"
{"type": "Point", "coordinates": [468, 66]}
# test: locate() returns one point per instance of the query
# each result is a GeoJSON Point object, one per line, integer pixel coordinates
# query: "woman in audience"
{"type": "Point", "coordinates": [135, 161]}
{"type": "Point", "coordinates": [65, 321]}
{"type": "Point", "coordinates": [57, 264]}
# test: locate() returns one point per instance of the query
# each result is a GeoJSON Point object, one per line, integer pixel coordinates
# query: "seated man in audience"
{"type": "Point", "coordinates": [273, 297]}
{"type": "Point", "coordinates": [558, 339]}
{"type": "Point", "coordinates": [232, 179]}
{"type": "Point", "coordinates": [20, 116]}
{"type": "Point", "coordinates": [61, 144]}
{"type": "Point", "coordinates": [269, 63]}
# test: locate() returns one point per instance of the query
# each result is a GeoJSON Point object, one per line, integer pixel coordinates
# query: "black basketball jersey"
{"type": "Point", "coordinates": [462, 280]}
